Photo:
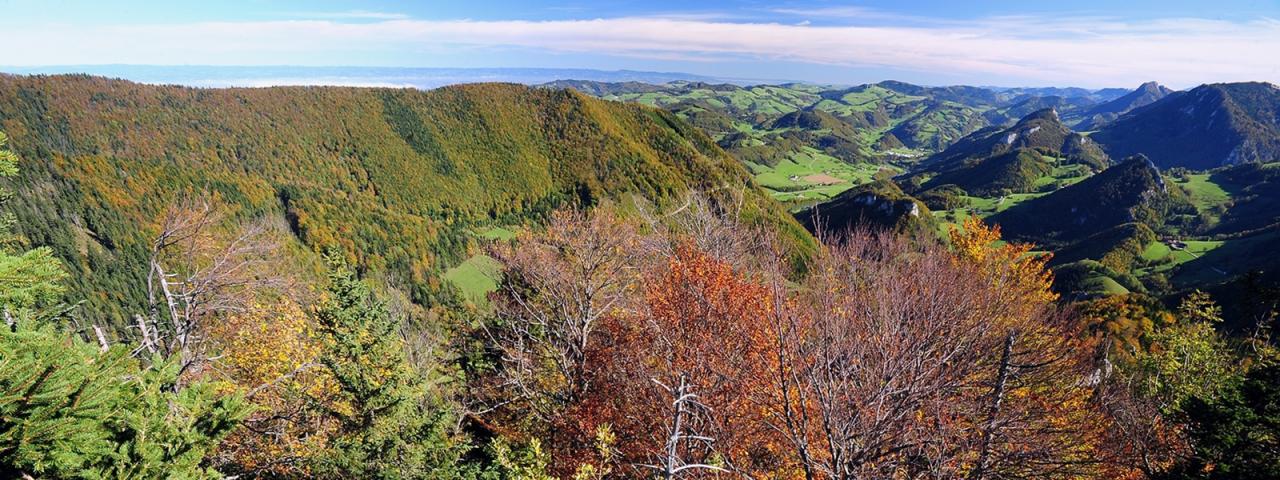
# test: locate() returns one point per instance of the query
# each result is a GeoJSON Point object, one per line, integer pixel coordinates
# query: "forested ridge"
{"type": "Point", "coordinates": [398, 180]}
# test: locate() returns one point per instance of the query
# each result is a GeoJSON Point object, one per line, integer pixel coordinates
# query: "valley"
{"type": "Point", "coordinates": [1002, 155]}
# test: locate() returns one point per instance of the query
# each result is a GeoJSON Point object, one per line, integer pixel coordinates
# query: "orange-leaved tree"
{"type": "Point", "coordinates": [706, 327]}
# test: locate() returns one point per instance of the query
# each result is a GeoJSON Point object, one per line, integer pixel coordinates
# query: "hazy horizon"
{"type": "Point", "coordinates": [254, 76]}
{"type": "Point", "coordinates": [1089, 44]}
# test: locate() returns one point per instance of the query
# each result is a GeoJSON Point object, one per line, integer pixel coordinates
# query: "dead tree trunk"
{"type": "Point", "coordinates": [685, 404]}
{"type": "Point", "coordinates": [993, 410]}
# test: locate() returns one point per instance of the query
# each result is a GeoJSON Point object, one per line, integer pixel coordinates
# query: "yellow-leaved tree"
{"type": "Point", "coordinates": [270, 351]}
{"type": "Point", "coordinates": [1013, 268]}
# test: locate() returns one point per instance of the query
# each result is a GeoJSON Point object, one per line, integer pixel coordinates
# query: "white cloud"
{"type": "Point", "coordinates": [353, 15]}
{"type": "Point", "coordinates": [1003, 50]}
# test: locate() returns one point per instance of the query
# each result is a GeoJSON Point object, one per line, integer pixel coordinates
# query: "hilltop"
{"type": "Point", "coordinates": [1107, 112]}
{"type": "Point", "coordinates": [1042, 129]}
{"type": "Point", "coordinates": [879, 204]}
{"type": "Point", "coordinates": [1131, 191]}
{"type": "Point", "coordinates": [402, 180]}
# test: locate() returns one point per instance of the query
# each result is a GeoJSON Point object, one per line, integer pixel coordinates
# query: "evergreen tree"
{"type": "Point", "coordinates": [27, 279]}
{"type": "Point", "coordinates": [160, 433]}
{"type": "Point", "coordinates": [391, 428]}
{"type": "Point", "coordinates": [55, 393]}
{"type": "Point", "coordinates": [71, 409]}
{"type": "Point", "coordinates": [1236, 435]}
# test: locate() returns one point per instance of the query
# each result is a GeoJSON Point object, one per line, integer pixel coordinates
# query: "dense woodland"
{"type": "Point", "coordinates": [396, 179]}
{"type": "Point", "coordinates": [247, 283]}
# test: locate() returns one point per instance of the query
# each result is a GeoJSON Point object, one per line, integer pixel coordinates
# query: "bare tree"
{"type": "Point", "coordinates": [896, 332]}
{"type": "Point", "coordinates": [195, 272]}
{"type": "Point", "coordinates": [908, 364]}
{"type": "Point", "coordinates": [682, 436]}
{"type": "Point", "coordinates": [714, 227]}
{"type": "Point", "coordinates": [559, 287]}
{"type": "Point", "coordinates": [1139, 435]}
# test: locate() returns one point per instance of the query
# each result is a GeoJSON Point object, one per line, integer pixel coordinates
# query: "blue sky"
{"type": "Point", "coordinates": [1082, 42]}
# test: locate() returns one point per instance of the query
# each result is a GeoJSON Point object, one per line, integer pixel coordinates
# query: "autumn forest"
{"type": "Point", "coordinates": [494, 281]}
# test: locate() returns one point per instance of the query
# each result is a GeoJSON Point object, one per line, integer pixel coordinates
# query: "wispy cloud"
{"type": "Point", "coordinates": [351, 15]}
{"type": "Point", "coordinates": [1082, 51]}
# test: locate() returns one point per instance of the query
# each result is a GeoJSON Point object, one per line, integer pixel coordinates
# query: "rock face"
{"type": "Point", "coordinates": [1206, 127]}
{"type": "Point", "coordinates": [880, 204]}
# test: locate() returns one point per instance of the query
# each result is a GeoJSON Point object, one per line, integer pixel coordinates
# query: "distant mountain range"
{"type": "Point", "coordinates": [396, 77]}
{"type": "Point", "coordinates": [1206, 127]}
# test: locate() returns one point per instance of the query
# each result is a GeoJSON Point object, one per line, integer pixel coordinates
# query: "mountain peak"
{"type": "Point", "coordinates": [1050, 114]}
{"type": "Point", "coordinates": [1206, 127]}
{"type": "Point", "coordinates": [1105, 113]}
{"type": "Point", "coordinates": [1153, 88]}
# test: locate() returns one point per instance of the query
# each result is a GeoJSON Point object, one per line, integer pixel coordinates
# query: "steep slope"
{"type": "Point", "coordinates": [1131, 191]}
{"type": "Point", "coordinates": [1042, 129]}
{"type": "Point", "coordinates": [1254, 198]}
{"type": "Point", "coordinates": [1015, 171]}
{"type": "Point", "coordinates": [1105, 113]}
{"type": "Point", "coordinates": [397, 178]}
{"type": "Point", "coordinates": [1206, 127]}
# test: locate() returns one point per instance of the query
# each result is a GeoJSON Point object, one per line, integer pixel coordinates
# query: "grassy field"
{"type": "Point", "coordinates": [475, 277]}
{"type": "Point", "coordinates": [1207, 194]}
{"type": "Point", "coordinates": [498, 233]}
{"type": "Point", "coordinates": [984, 207]}
{"type": "Point", "coordinates": [1064, 175]}
{"type": "Point", "coordinates": [867, 100]}
{"type": "Point", "coordinates": [1158, 251]}
{"type": "Point", "coordinates": [1214, 261]}
{"type": "Point", "coordinates": [811, 175]}
{"type": "Point", "coordinates": [1168, 259]}
{"type": "Point", "coordinates": [1098, 284]}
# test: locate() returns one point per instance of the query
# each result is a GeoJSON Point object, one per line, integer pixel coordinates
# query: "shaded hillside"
{"type": "Point", "coordinates": [1206, 127]}
{"type": "Point", "coordinates": [397, 178]}
{"type": "Point", "coordinates": [1042, 129]}
{"type": "Point", "coordinates": [1253, 203]}
{"type": "Point", "coordinates": [1116, 248]}
{"type": "Point", "coordinates": [1131, 191]}
{"type": "Point", "coordinates": [1067, 107]}
{"type": "Point", "coordinates": [1016, 171]}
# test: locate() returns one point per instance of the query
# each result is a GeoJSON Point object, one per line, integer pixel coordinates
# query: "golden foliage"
{"type": "Point", "coordinates": [1010, 267]}
{"type": "Point", "coordinates": [269, 351]}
